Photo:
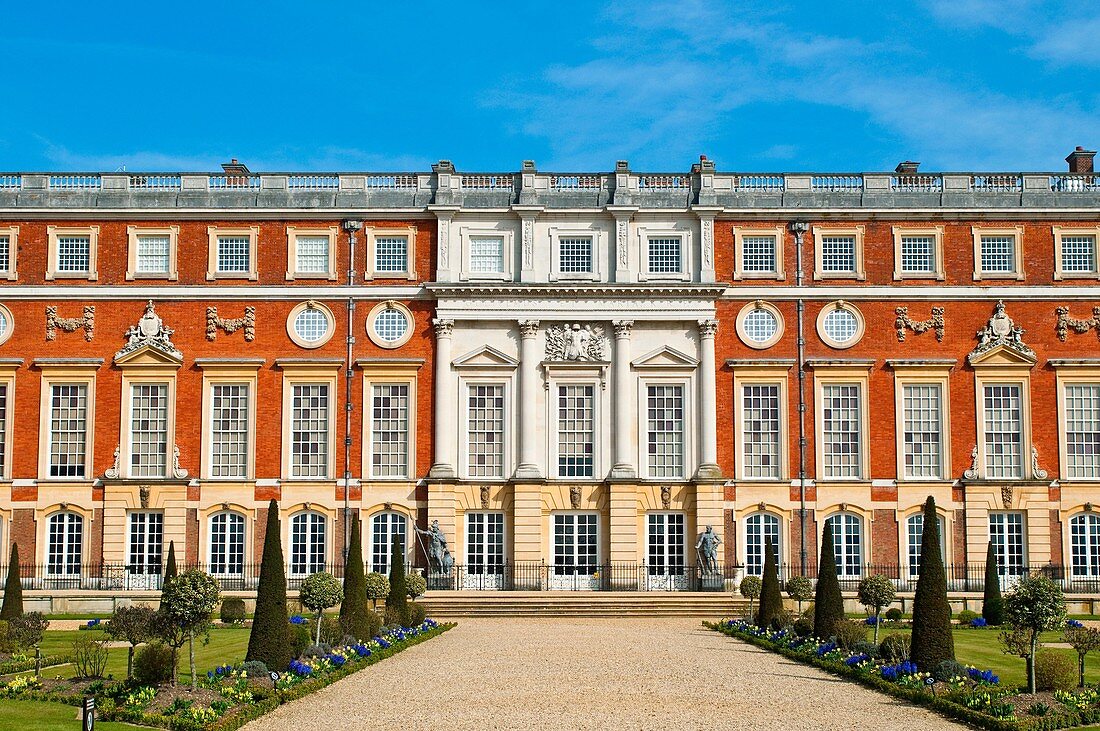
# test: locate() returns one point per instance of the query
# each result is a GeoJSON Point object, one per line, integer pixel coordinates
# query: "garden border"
{"type": "Point", "coordinates": [11, 667]}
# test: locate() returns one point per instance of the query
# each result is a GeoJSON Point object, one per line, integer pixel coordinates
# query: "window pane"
{"type": "Point", "coordinates": [3, 430]}
{"type": "Point", "coordinates": [576, 431]}
{"type": "Point", "coordinates": [665, 428]}
{"type": "Point", "coordinates": [760, 325]}
{"type": "Point", "coordinates": [391, 254]}
{"type": "Point", "coordinates": [1078, 253]}
{"type": "Point", "coordinates": [227, 544]}
{"type": "Point", "coordinates": [1084, 531]}
{"type": "Point", "coordinates": [73, 253]}
{"type": "Point", "coordinates": [487, 254]}
{"type": "Point", "coordinates": [921, 417]}
{"type": "Point", "coordinates": [1006, 531]}
{"type": "Point", "coordinates": [311, 325]}
{"type": "Point", "coordinates": [758, 529]}
{"type": "Point", "coordinates": [229, 430]}
{"type": "Point", "coordinates": [838, 254]}
{"type": "Point", "coordinates": [234, 254]}
{"type": "Point", "coordinates": [153, 254]}
{"type": "Point", "coordinates": [1003, 432]}
{"type": "Point", "coordinates": [307, 543]}
{"type": "Point", "coordinates": [847, 544]}
{"type": "Point", "coordinates": [149, 430]}
{"type": "Point", "coordinates": [68, 429]}
{"type": "Point", "coordinates": [575, 544]}
{"type": "Point", "coordinates": [664, 255]}
{"type": "Point", "coordinates": [484, 543]}
{"type": "Point", "coordinates": [918, 254]}
{"type": "Point", "coordinates": [5, 254]}
{"type": "Point", "coordinates": [758, 253]}
{"type": "Point", "coordinates": [485, 431]}
{"type": "Point", "coordinates": [840, 325]}
{"type": "Point", "coordinates": [309, 431]}
{"type": "Point", "coordinates": [391, 325]}
{"type": "Point", "coordinates": [666, 538]}
{"type": "Point", "coordinates": [390, 430]}
{"type": "Point", "coordinates": [760, 430]}
{"type": "Point", "coordinates": [312, 254]}
{"type": "Point", "coordinates": [146, 541]}
{"type": "Point", "coordinates": [575, 255]}
{"type": "Point", "coordinates": [64, 550]}
{"type": "Point", "coordinates": [1083, 430]}
{"type": "Point", "coordinates": [383, 527]}
{"type": "Point", "coordinates": [998, 254]}
{"type": "Point", "coordinates": [841, 428]}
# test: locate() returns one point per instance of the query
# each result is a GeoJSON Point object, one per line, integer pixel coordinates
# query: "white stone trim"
{"type": "Point", "coordinates": [753, 307]}
{"type": "Point", "coordinates": [861, 324]}
{"type": "Point", "coordinates": [377, 310]}
{"type": "Point", "coordinates": [591, 230]}
{"type": "Point", "coordinates": [292, 234]}
{"type": "Point", "coordinates": [312, 305]}
{"type": "Point", "coordinates": [12, 272]}
{"type": "Point", "coordinates": [132, 235]}
{"type": "Point", "coordinates": [55, 232]}
{"type": "Point", "coordinates": [371, 235]}
{"type": "Point", "coordinates": [1059, 232]}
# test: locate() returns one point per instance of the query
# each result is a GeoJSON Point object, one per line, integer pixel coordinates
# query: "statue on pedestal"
{"type": "Point", "coordinates": [439, 555]}
{"type": "Point", "coordinates": [707, 550]}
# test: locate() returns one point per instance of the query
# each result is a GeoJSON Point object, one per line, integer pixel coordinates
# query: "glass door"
{"type": "Point", "coordinates": [484, 551]}
{"type": "Point", "coordinates": [576, 551]}
{"type": "Point", "coordinates": [1006, 530]}
{"type": "Point", "coordinates": [665, 556]}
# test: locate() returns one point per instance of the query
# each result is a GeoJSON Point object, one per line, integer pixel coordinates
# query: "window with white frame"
{"type": "Point", "coordinates": [390, 430]}
{"type": "Point", "coordinates": [153, 253]}
{"type": "Point", "coordinates": [576, 430]}
{"type": "Point", "coordinates": [847, 544]}
{"type": "Point", "coordinates": [758, 254]}
{"type": "Point", "coordinates": [5, 254]}
{"type": "Point", "coordinates": [234, 254]}
{"type": "Point", "coordinates": [998, 254]}
{"type": "Point", "coordinates": [74, 254]}
{"type": "Point", "coordinates": [146, 542]}
{"type": "Point", "coordinates": [1002, 416]}
{"type": "Point", "coordinates": [575, 255]}
{"type": "Point", "coordinates": [1084, 541]}
{"type": "Point", "coordinates": [484, 543]}
{"type": "Point", "coordinates": [309, 430]}
{"type": "Point", "coordinates": [760, 410]}
{"type": "Point", "coordinates": [918, 254]}
{"type": "Point", "coordinates": [760, 325]}
{"type": "Point", "coordinates": [665, 430]}
{"type": "Point", "coordinates": [1006, 531]}
{"type": "Point", "coordinates": [1082, 404]}
{"type": "Point", "coordinates": [486, 254]}
{"type": "Point", "coordinates": [3, 430]}
{"type": "Point", "coordinates": [391, 254]}
{"type": "Point", "coordinates": [576, 543]}
{"type": "Point", "coordinates": [485, 430]}
{"type": "Point", "coordinates": [307, 543]}
{"type": "Point", "coordinates": [1078, 253]}
{"type": "Point", "coordinates": [311, 254]}
{"type": "Point", "coordinates": [227, 544]}
{"type": "Point", "coordinates": [838, 254]}
{"type": "Point", "coordinates": [841, 430]}
{"type": "Point", "coordinates": [383, 527]}
{"type": "Point", "coordinates": [914, 532]}
{"type": "Point", "coordinates": [759, 529]}
{"type": "Point", "coordinates": [666, 542]}
{"type": "Point", "coordinates": [665, 255]}
{"type": "Point", "coordinates": [64, 544]}
{"type": "Point", "coordinates": [148, 430]}
{"type": "Point", "coordinates": [923, 437]}
{"type": "Point", "coordinates": [229, 416]}
{"type": "Point", "coordinates": [68, 429]}
{"type": "Point", "coordinates": [6, 324]}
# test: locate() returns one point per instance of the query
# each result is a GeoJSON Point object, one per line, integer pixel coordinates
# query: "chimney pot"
{"type": "Point", "coordinates": [907, 168]}
{"type": "Point", "coordinates": [1081, 160]}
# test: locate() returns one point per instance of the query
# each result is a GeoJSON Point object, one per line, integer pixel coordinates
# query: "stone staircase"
{"type": "Point", "coordinates": [608, 604]}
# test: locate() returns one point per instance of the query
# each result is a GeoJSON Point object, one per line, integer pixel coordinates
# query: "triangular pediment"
{"type": "Point", "coordinates": [665, 357]}
{"type": "Point", "coordinates": [149, 355]}
{"type": "Point", "coordinates": [485, 357]}
{"type": "Point", "coordinates": [1002, 355]}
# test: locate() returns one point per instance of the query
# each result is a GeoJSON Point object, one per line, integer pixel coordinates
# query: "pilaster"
{"type": "Point", "coordinates": [708, 418]}
{"type": "Point", "coordinates": [445, 402]}
{"type": "Point", "coordinates": [623, 467]}
{"type": "Point", "coordinates": [528, 468]}
{"type": "Point", "coordinates": [527, 520]}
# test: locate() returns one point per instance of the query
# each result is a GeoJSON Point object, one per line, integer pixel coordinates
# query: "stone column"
{"type": "Point", "coordinates": [708, 419]}
{"type": "Point", "coordinates": [624, 424]}
{"type": "Point", "coordinates": [528, 468]}
{"type": "Point", "coordinates": [446, 423]}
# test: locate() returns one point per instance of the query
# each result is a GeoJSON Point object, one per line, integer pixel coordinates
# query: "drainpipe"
{"type": "Point", "coordinates": [351, 227]}
{"type": "Point", "coordinates": [799, 228]}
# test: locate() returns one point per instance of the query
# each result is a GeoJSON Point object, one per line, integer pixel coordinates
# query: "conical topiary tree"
{"type": "Point", "coordinates": [771, 601]}
{"type": "Point", "coordinates": [993, 606]}
{"type": "Point", "coordinates": [397, 601]}
{"type": "Point", "coordinates": [828, 603]}
{"type": "Point", "coordinates": [353, 610]}
{"type": "Point", "coordinates": [269, 642]}
{"type": "Point", "coordinates": [13, 588]}
{"type": "Point", "coordinates": [170, 571]}
{"type": "Point", "coordinates": [932, 642]}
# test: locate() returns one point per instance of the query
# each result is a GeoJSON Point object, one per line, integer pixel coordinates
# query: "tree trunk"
{"type": "Point", "coordinates": [130, 663]}
{"type": "Point", "coordinates": [1081, 669]}
{"type": "Point", "coordinates": [1031, 664]}
{"type": "Point", "coordinates": [191, 651]}
{"type": "Point", "coordinates": [876, 627]}
{"type": "Point", "coordinates": [175, 666]}
{"type": "Point", "coordinates": [318, 641]}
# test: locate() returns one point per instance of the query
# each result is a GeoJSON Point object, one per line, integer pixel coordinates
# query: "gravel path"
{"type": "Point", "coordinates": [592, 674]}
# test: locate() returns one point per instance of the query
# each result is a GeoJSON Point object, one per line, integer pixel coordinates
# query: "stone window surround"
{"type": "Point", "coordinates": [286, 517]}
{"type": "Point", "coordinates": [384, 372]}
{"type": "Point", "coordinates": [206, 515]}
{"type": "Point", "coordinates": [739, 233]}
{"type": "Point", "coordinates": [928, 372]}
{"type": "Point", "coordinates": [507, 235]}
{"type": "Point", "coordinates": [372, 233]}
{"type": "Point", "coordinates": [748, 309]}
{"type": "Point", "coordinates": [377, 310]}
{"type": "Point", "coordinates": [7, 379]}
{"type": "Point", "coordinates": [253, 234]}
{"type": "Point", "coordinates": [1017, 232]}
{"type": "Point", "coordinates": [12, 232]}
{"type": "Point", "coordinates": [292, 234]}
{"type": "Point", "coordinates": [1059, 232]}
{"type": "Point", "coordinates": [479, 377]}
{"type": "Point", "coordinates": [132, 234]}
{"type": "Point", "coordinates": [135, 374]}
{"type": "Point", "coordinates": [842, 373]}
{"type": "Point", "coordinates": [785, 517]}
{"type": "Point", "coordinates": [1065, 515]}
{"type": "Point", "coordinates": [936, 232]}
{"type": "Point", "coordinates": [308, 372]}
{"type": "Point", "coordinates": [221, 373]}
{"type": "Point", "coordinates": [861, 324]}
{"type": "Point", "coordinates": [1071, 372]}
{"type": "Point", "coordinates": [1012, 375]}
{"type": "Point", "coordinates": [73, 373]}
{"type": "Point", "coordinates": [42, 518]}
{"type": "Point", "coordinates": [6, 314]}
{"type": "Point", "coordinates": [903, 516]}
{"type": "Point", "coordinates": [53, 233]}
{"type": "Point", "coordinates": [753, 373]}
{"type": "Point", "coordinates": [660, 377]}
{"type": "Point", "coordinates": [578, 374]}
{"type": "Point", "coordinates": [297, 310]}
{"type": "Point", "coordinates": [857, 232]}
{"type": "Point", "coordinates": [599, 239]}
{"type": "Point", "coordinates": [645, 232]}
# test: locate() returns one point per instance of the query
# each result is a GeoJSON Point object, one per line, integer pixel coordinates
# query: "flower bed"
{"type": "Point", "coordinates": [976, 698]}
{"type": "Point", "coordinates": [22, 663]}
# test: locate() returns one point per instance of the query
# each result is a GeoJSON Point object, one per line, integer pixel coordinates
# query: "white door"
{"type": "Point", "coordinates": [143, 564]}
{"type": "Point", "coordinates": [666, 538]}
{"type": "Point", "coordinates": [1006, 530]}
{"type": "Point", "coordinates": [576, 551]}
{"type": "Point", "coordinates": [484, 551]}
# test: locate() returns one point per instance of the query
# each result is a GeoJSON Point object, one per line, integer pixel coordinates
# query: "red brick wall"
{"type": "Point", "coordinates": [884, 538]}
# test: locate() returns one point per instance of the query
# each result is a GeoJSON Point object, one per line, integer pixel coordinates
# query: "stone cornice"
{"type": "Point", "coordinates": [591, 290]}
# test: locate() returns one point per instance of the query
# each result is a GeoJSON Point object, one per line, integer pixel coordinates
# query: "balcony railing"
{"type": "Point", "coordinates": [1086, 183]}
{"type": "Point", "coordinates": [664, 182]}
{"type": "Point", "coordinates": [75, 182]}
{"type": "Point", "coordinates": [998, 183]}
{"type": "Point", "coordinates": [313, 182]}
{"type": "Point", "coordinates": [11, 181]}
{"type": "Point", "coordinates": [234, 182]}
{"type": "Point", "coordinates": [155, 182]}
{"type": "Point", "coordinates": [763, 183]}
{"type": "Point", "coordinates": [576, 182]}
{"type": "Point", "coordinates": [837, 183]}
{"type": "Point", "coordinates": [503, 181]}
{"type": "Point", "coordinates": [916, 183]}
{"type": "Point", "coordinates": [391, 182]}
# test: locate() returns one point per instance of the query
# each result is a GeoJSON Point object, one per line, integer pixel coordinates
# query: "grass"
{"type": "Point", "coordinates": [49, 717]}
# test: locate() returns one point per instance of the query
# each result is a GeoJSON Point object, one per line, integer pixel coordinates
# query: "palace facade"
{"type": "Point", "coordinates": [574, 374]}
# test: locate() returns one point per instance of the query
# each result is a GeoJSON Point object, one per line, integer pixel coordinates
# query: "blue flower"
{"type": "Point", "coordinates": [872, 621]}
{"type": "Point", "coordinates": [978, 622]}
{"type": "Point", "coordinates": [298, 619]}
{"type": "Point", "coordinates": [1074, 623]}
{"type": "Point", "coordinates": [210, 674]}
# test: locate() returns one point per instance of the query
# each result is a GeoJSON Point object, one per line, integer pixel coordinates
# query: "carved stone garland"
{"type": "Point", "coordinates": [231, 325]}
{"type": "Point", "coordinates": [484, 497]}
{"type": "Point", "coordinates": [1066, 323]}
{"type": "Point", "coordinates": [70, 324]}
{"type": "Point", "coordinates": [904, 322]}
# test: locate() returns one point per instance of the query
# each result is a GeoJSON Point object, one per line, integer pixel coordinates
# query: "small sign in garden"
{"type": "Point", "coordinates": [88, 718]}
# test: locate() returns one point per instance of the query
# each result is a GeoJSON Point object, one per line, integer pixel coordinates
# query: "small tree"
{"type": "Point", "coordinates": [170, 571]}
{"type": "Point", "coordinates": [415, 584]}
{"type": "Point", "coordinates": [320, 591]}
{"type": "Point", "coordinates": [27, 630]}
{"type": "Point", "coordinates": [876, 592]}
{"type": "Point", "coordinates": [133, 624]}
{"type": "Point", "coordinates": [353, 608]}
{"type": "Point", "coordinates": [13, 588]}
{"type": "Point", "coordinates": [269, 641]}
{"type": "Point", "coordinates": [1035, 605]}
{"type": "Point", "coordinates": [378, 587]}
{"type": "Point", "coordinates": [828, 603]}
{"type": "Point", "coordinates": [190, 600]}
{"type": "Point", "coordinates": [1084, 640]}
{"type": "Point", "coordinates": [771, 600]}
{"type": "Point", "coordinates": [993, 606]}
{"type": "Point", "coordinates": [932, 641]}
{"type": "Point", "coordinates": [800, 589]}
{"type": "Point", "coordinates": [398, 599]}
{"type": "Point", "coordinates": [750, 589]}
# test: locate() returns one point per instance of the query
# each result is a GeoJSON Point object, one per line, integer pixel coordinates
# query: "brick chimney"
{"type": "Point", "coordinates": [907, 168]}
{"type": "Point", "coordinates": [1080, 160]}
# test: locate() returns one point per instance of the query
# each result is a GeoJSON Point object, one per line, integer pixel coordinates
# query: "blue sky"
{"type": "Point", "coordinates": [842, 86]}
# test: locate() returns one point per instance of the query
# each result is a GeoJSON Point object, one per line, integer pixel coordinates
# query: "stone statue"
{"type": "Point", "coordinates": [575, 343]}
{"type": "Point", "coordinates": [1000, 331]}
{"type": "Point", "coordinates": [438, 553]}
{"type": "Point", "coordinates": [707, 549]}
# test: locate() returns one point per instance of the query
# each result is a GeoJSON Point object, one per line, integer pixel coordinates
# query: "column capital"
{"type": "Point", "coordinates": [622, 328]}
{"type": "Point", "coordinates": [528, 328]}
{"type": "Point", "coordinates": [443, 327]}
{"type": "Point", "coordinates": [708, 328]}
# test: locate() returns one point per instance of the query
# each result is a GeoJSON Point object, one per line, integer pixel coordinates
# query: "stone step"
{"type": "Point", "coordinates": [581, 604]}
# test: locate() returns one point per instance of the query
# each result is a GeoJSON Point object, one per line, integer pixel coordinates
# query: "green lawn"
{"type": "Point", "coordinates": [49, 717]}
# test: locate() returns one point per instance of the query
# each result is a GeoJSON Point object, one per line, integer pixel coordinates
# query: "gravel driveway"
{"type": "Point", "coordinates": [592, 674]}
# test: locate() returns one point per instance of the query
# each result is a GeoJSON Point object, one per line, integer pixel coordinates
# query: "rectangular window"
{"type": "Point", "coordinates": [760, 430]}
{"type": "Point", "coordinates": [229, 430]}
{"type": "Point", "coordinates": [1082, 430]}
{"type": "Point", "coordinates": [665, 430]}
{"type": "Point", "coordinates": [1003, 431]}
{"type": "Point", "coordinates": [665, 256]}
{"type": "Point", "coordinates": [68, 429]}
{"type": "Point", "coordinates": [841, 430]}
{"type": "Point", "coordinates": [1006, 531]}
{"type": "Point", "coordinates": [485, 544]}
{"type": "Point", "coordinates": [667, 541]}
{"type": "Point", "coordinates": [575, 255]}
{"type": "Point", "coordinates": [146, 542]}
{"type": "Point", "coordinates": [309, 430]}
{"type": "Point", "coordinates": [758, 254]}
{"type": "Point", "coordinates": [918, 254]}
{"type": "Point", "coordinates": [390, 430]}
{"type": "Point", "coordinates": [391, 254]}
{"type": "Point", "coordinates": [153, 254]}
{"type": "Point", "coordinates": [485, 431]}
{"type": "Point", "coordinates": [576, 544]}
{"type": "Point", "coordinates": [923, 432]}
{"type": "Point", "coordinates": [487, 255]}
{"type": "Point", "coordinates": [838, 254]}
{"type": "Point", "coordinates": [998, 254]}
{"type": "Point", "coordinates": [576, 431]}
{"type": "Point", "coordinates": [74, 253]}
{"type": "Point", "coordinates": [149, 430]}
{"type": "Point", "coordinates": [234, 255]}
{"type": "Point", "coordinates": [311, 254]}
{"type": "Point", "coordinates": [3, 430]}
{"type": "Point", "coordinates": [5, 254]}
{"type": "Point", "coordinates": [1078, 254]}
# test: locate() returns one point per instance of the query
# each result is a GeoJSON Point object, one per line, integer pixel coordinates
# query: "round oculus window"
{"type": "Point", "coordinates": [390, 324]}
{"type": "Point", "coordinates": [759, 325]}
{"type": "Point", "coordinates": [6, 323]}
{"type": "Point", "coordinates": [310, 324]}
{"type": "Point", "coordinates": [840, 325]}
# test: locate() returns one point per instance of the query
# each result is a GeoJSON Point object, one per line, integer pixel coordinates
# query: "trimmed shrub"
{"type": "Point", "coordinates": [893, 614]}
{"type": "Point", "coordinates": [750, 589]}
{"type": "Point", "coordinates": [1083, 640]}
{"type": "Point", "coordinates": [268, 641]}
{"type": "Point", "coordinates": [870, 649]}
{"type": "Point", "coordinates": [948, 670]}
{"type": "Point", "coordinates": [398, 596]}
{"type": "Point", "coordinates": [255, 669]}
{"type": "Point", "coordinates": [89, 656]}
{"type": "Point", "coordinates": [300, 639]}
{"type": "Point", "coordinates": [154, 664]}
{"type": "Point", "coordinates": [803, 627]}
{"type": "Point", "coordinates": [378, 587]}
{"type": "Point", "coordinates": [828, 603]}
{"type": "Point", "coordinates": [26, 631]}
{"type": "Point", "coordinates": [170, 571]}
{"type": "Point", "coordinates": [415, 585]}
{"type": "Point", "coordinates": [894, 648]}
{"type": "Point", "coordinates": [320, 591]}
{"type": "Point", "coordinates": [1035, 605]}
{"type": "Point", "coordinates": [771, 601]}
{"type": "Point", "coordinates": [932, 641]}
{"type": "Point", "coordinates": [415, 614]}
{"type": "Point", "coordinates": [876, 592]}
{"type": "Point", "coordinates": [848, 633]}
{"type": "Point", "coordinates": [965, 617]}
{"type": "Point", "coordinates": [134, 624]}
{"type": "Point", "coordinates": [783, 619]}
{"type": "Point", "coordinates": [331, 631]}
{"type": "Point", "coordinates": [393, 617]}
{"type": "Point", "coordinates": [233, 610]}
{"type": "Point", "coordinates": [800, 588]}
{"type": "Point", "coordinates": [13, 588]}
{"type": "Point", "coordinates": [1054, 670]}
{"type": "Point", "coordinates": [993, 605]}
{"type": "Point", "coordinates": [353, 607]}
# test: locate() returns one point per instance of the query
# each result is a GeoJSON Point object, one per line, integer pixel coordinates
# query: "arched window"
{"type": "Point", "coordinates": [307, 544]}
{"type": "Point", "coordinates": [227, 544]}
{"type": "Point", "coordinates": [1084, 540]}
{"type": "Point", "coordinates": [65, 544]}
{"type": "Point", "coordinates": [758, 528]}
{"type": "Point", "coordinates": [847, 544]}
{"type": "Point", "coordinates": [914, 531]}
{"type": "Point", "coordinates": [383, 527]}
